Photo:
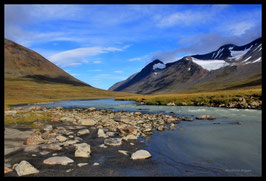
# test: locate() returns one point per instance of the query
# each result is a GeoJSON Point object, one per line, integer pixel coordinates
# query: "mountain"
{"type": "Point", "coordinates": [30, 78]}
{"type": "Point", "coordinates": [229, 67]}
{"type": "Point", "coordinates": [21, 62]}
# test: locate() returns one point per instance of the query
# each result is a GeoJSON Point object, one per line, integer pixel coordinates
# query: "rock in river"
{"type": "Point", "coordinates": [83, 132]}
{"type": "Point", "coordinates": [140, 154]}
{"type": "Point", "coordinates": [25, 168]}
{"type": "Point", "coordinates": [113, 141]}
{"type": "Point", "coordinates": [82, 150]}
{"type": "Point", "coordinates": [208, 117]}
{"type": "Point", "coordinates": [58, 160]}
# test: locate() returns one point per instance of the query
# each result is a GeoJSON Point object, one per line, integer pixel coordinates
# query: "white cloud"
{"type": "Point", "coordinates": [240, 28]}
{"type": "Point", "coordinates": [94, 70]}
{"type": "Point", "coordinates": [119, 71]}
{"type": "Point", "coordinates": [97, 61]}
{"type": "Point", "coordinates": [78, 56]}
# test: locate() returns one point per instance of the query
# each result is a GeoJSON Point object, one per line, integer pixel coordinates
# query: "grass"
{"type": "Point", "coordinates": [200, 98]}
{"type": "Point", "coordinates": [29, 117]}
{"type": "Point", "coordinates": [24, 91]}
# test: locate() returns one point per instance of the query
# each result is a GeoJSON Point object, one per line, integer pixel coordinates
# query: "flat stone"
{"type": "Point", "coordinates": [58, 160]}
{"type": "Point", "coordinates": [82, 150]}
{"type": "Point", "coordinates": [113, 141]}
{"type": "Point", "coordinates": [140, 154]}
{"type": "Point", "coordinates": [130, 137]}
{"type": "Point", "coordinates": [86, 122]}
{"type": "Point", "coordinates": [52, 146]}
{"type": "Point", "coordinates": [25, 168]}
{"type": "Point", "coordinates": [70, 142]}
{"type": "Point", "coordinates": [83, 132]}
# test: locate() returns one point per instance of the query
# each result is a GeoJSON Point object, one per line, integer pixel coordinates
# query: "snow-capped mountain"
{"type": "Point", "coordinates": [227, 67]}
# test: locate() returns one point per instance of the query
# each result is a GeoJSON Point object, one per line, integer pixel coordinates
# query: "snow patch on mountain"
{"type": "Point", "coordinates": [158, 66]}
{"type": "Point", "coordinates": [210, 64]}
{"type": "Point", "coordinates": [239, 52]}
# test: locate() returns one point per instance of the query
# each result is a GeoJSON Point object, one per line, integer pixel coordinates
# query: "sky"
{"type": "Point", "coordinates": [105, 44]}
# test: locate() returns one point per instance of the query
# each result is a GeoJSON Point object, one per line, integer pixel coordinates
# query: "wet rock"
{"type": "Point", "coordinates": [44, 152]}
{"type": "Point", "coordinates": [238, 123]}
{"type": "Point", "coordinates": [109, 133]}
{"type": "Point", "coordinates": [52, 146]}
{"type": "Point", "coordinates": [170, 104]}
{"type": "Point", "coordinates": [7, 170]}
{"type": "Point", "coordinates": [101, 133]}
{"type": "Point", "coordinates": [25, 168]}
{"type": "Point", "coordinates": [113, 141]}
{"type": "Point", "coordinates": [83, 132]}
{"type": "Point", "coordinates": [172, 126]}
{"type": "Point", "coordinates": [70, 142]}
{"type": "Point", "coordinates": [187, 119]}
{"type": "Point", "coordinates": [102, 146]}
{"type": "Point", "coordinates": [61, 138]}
{"type": "Point", "coordinates": [123, 152]}
{"type": "Point", "coordinates": [130, 137]}
{"type": "Point", "coordinates": [86, 122]}
{"type": "Point", "coordinates": [160, 128]}
{"type": "Point", "coordinates": [82, 164]}
{"type": "Point", "coordinates": [58, 160]}
{"type": "Point", "coordinates": [140, 154]}
{"type": "Point", "coordinates": [208, 117]}
{"type": "Point", "coordinates": [34, 140]}
{"type": "Point", "coordinates": [61, 130]}
{"type": "Point", "coordinates": [82, 150]}
{"type": "Point", "coordinates": [69, 170]}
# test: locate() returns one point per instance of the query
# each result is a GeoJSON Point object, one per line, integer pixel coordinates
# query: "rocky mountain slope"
{"type": "Point", "coordinates": [229, 67]}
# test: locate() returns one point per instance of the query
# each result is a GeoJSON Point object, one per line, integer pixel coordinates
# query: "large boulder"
{"type": "Point", "coordinates": [58, 160]}
{"type": "Point", "coordinates": [140, 154]}
{"type": "Point", "coordinates": [25, 168]}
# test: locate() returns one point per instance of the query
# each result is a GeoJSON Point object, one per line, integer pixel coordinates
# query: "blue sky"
{"type": "Point", "coordinates": [104, 44]}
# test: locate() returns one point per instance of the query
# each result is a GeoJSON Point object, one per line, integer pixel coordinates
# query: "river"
{"type": "Point", "coordinates": [198, 148]}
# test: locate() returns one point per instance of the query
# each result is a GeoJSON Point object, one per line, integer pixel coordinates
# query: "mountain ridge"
{"type": "Point", "coordinates": [209, 71]}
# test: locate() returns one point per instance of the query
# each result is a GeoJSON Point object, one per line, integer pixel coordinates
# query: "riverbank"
{"type": "Point", "coordinates": [250, 98]}
{"type": "Point", "coordinates": [45, 133]}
